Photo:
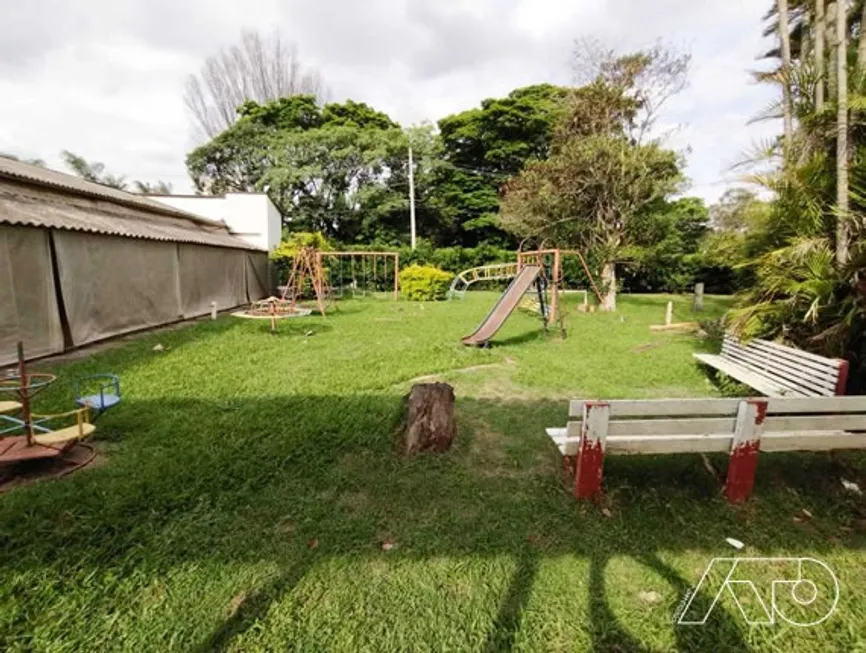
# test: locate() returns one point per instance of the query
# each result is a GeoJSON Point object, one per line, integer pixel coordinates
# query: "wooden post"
{"type": "Point", "coordinates": [669, 314]}
{"type": "Point", "coordinates": [590, 455]}
{"type": "Point", "coordinates": [396, 276]}
{"type": "Point", "coordinates": [744, 450]}
{"type": "Point", "coordinates": [698, 305]}
{"type": "Point", "coordinates": [24, 395]}
{"type": "Point", "coordinates": [554, 288]}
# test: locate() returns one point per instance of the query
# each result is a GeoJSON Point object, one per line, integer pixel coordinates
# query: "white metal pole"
{"type": "Point", "coordinates": [411, 198]}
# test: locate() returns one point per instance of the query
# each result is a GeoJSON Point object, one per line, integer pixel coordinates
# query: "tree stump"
{"type": "Point", "coordinates": [429, 424]}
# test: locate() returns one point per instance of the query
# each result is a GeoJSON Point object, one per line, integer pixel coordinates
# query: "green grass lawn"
{"type": "Point", "coordinates": [249, 484]}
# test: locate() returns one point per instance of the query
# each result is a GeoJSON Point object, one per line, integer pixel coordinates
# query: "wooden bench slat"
{"type": "Point", "coordinates": [723, 407]}
{"type": "Point", "coordinates": [827, 373]}
{"type": "Point", "coordinates": [784, 349]}
{"type": "Point", "coordinates": [786, 382]}
{"type": "Point", "coordinates": [778, 371]}
{"type": "Point", "coordinates": [662, 407]}
{"type": "Point", "coordinates": [770, 442]}
{"type": "Point", "coordinates": [829, 367]}
{"type": "Point", "coordinates": [676, 426]}
{"type": "Point", "coordinates": [836, 404]}
{"type": "Point", "coordinates": [744, 375]}
{"type": "Point", "coordinates": [723, 425]}
{"type": "Point", "coordinates": [815, 423]}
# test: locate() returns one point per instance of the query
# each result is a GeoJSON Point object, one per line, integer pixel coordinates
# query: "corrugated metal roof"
{"type": "Point", "coordinates": [54, 179]}
{"type": "Point", "coordinates": [54, 216]}
{"type": "Point", "coordinates": [161, 222]}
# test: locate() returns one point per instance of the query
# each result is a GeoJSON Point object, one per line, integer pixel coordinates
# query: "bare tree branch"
{"type": "Point", "coordinates": [256, 68]}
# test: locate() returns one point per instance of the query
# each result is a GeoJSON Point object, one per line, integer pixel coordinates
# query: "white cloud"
{"type": "Point", "coordinates": [105, 79]}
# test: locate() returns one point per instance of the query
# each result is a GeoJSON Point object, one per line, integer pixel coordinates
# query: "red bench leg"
{"type": "Point", "coordinates": [744, 451]}
{"type": "Point", "coordinates": [590, 455]}
{"type": "Point", "coordinates": [842, 379]}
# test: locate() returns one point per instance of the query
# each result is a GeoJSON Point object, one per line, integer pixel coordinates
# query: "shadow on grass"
{"type": "Point", "coordinates": [528, 336]}
{"type": "Point", "coordinates": [507, 623]}
{"type": "Point", "coordinates": [255, 607]}
{"type": "Point", "coordinates": [210, 482]}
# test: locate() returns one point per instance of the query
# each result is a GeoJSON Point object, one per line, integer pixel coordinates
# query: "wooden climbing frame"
{"type": "Point", "coordinates": [555, 283]}
{"type": "Point", "coordinates": [307, 266]}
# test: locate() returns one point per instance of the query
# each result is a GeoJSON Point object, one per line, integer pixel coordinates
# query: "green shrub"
{"type": "Point", "coordinates": [424, 283]}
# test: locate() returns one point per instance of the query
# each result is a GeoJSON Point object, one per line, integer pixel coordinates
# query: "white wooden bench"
{"type": "Point", "coordinates": [741, 427]}
{"type": "Point", "coordinates": [779, 371]}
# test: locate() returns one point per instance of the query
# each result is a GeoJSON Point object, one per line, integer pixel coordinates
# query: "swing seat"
{"type": "Point", "coordinates": [9, 407]}
{"type": "Point", "coordinates": [103, 392]}
{"type": "Point", "coordinates": [67, 435]}
{"type": "Point", "coordinates": [63, 436]}
{"type": "Point", "coordinates": [100, 402]}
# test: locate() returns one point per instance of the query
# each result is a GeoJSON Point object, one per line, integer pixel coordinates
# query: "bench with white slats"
{"type": "Point", "coordinates": [742, 427]}
{"type": "Point", "coordinates": [779, 371]}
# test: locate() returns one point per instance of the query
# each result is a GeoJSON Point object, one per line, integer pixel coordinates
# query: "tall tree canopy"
{"type": "Point", "coordinates": [483, 148]}
{"type": "Point", "coordinates": [604, 166]}
{"type": "Point", "coordinates": [338, 169]}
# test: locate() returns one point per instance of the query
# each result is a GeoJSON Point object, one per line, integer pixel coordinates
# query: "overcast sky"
{"type": "Point", "coordinates": [105, 78]}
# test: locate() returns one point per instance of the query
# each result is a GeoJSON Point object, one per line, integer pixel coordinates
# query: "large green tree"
{"type": "Point", "coordinates": [604, 167]}
{"type": "Point", "coordinates": [481, 149]}
{"type": "Point", "coordinates": [338, 169]}
{"type": "Point", "coordinates": [663, 242]}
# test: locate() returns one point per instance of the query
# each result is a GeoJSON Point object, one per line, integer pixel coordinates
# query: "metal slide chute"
{"type": "Point", "coordinates": [505, 306]}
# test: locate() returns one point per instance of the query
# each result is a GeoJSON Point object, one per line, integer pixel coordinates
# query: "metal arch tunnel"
{"type": "Point", "coordinates": [493, 272]}
{"type": "Point", "coordinates": [504, 306]}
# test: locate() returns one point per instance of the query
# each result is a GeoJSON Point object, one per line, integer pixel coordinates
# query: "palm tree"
{"type": "Point", "coordinates": [842, 235]}
{"type": "Point", "coordinates": [861, 42]}
{"type": "Point", "coordinates": [820, 28]}
{"type": "Point", "coordinates": [147, 188]}
{"type": "Point", "coordinates": [92, 171]}
{"type": "Point", "coordinates": [785, 40]}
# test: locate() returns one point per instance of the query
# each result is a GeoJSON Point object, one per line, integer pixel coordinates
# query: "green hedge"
{"type": "Point", "coordinates": [424, 283]}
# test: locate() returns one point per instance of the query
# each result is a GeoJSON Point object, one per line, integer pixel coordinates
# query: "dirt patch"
{"type": "Point", "coordinates": [81, 456]}
{"type": "Point", "coordinates": [236, 604]}
{"type": "Point", "coordinates": [648, 346]}
{"type": "Point", "coordinates": [430, 378]}
{"type": "Point", "coordinates": [487, 455]}
{"type": "Point", "coordinates": [486, 442]}
{"type": "Point", "coordinates": [354, 501]}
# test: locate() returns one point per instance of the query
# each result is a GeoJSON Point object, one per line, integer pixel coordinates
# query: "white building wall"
{"type": "Point", "coordinates": [252, 216]}
{"type": "Point", "coordinates": [211, 207]}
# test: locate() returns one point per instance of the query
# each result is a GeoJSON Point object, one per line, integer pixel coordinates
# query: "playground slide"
{"type": "Point", "coordinates": [506, 304]}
